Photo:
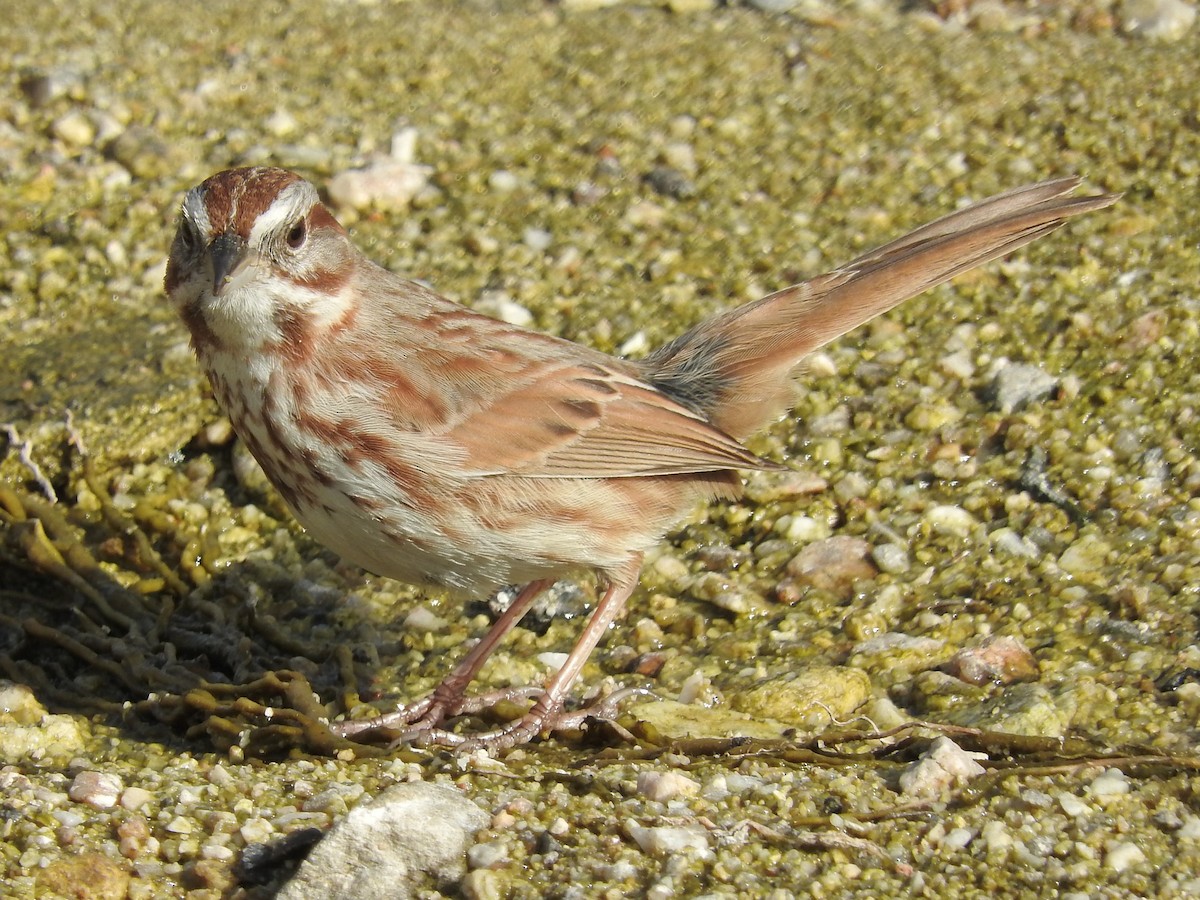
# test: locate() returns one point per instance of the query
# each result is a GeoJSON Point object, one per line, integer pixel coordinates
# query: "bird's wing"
{"type": "Point", "coordinates": [590, 420]}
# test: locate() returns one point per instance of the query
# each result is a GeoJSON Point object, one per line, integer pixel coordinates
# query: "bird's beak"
{"type": "Point", "coordinates": [229, 257]}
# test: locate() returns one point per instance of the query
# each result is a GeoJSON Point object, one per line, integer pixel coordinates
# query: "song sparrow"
{"type": "Point", "coordinates": [435, 445]}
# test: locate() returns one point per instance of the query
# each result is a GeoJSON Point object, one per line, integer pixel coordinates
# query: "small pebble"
{"type": "Point", "coordinates": [805, 530]}
{"type": "Point", "coordinates": [670, 840]}
{"type": "Point", "coordinates": [943, 766]}
{"type": "Point", "coordinates": [1008, 541]}
{"type": "Point", "coordinates": [957, 838]}
{"type": "Point", "coordinates": [503, 182]}
{"type": "Point", "coordinates": [75, 129]}
{"type": "Point", "coordinates": [98, 790]}
{"type": "Point", "coordinates": [486, 854]}
{"type": "Point", "coordinates": [537, 239]}
{"type": "Point", "coordinates": [424, 619]}
{"type": "Point", "coordinates": [1084, 556]}
{"type": "Point", "coordinates": [834, 564]}
{"type": "Point", "coordinates": [1157, 20]}
{"type": "Point", "coordinates": [1072, 805]}
{"type": "Point", "coordinates": [998, 660]}
{"type": "Point", "coordinates": [952, 520]}
{"type": "Point", "coordinates": [281, 123]}
{"type": "Point", "coordinates": [891, 558]}
{"type": "Point", "coordinates": [1110, 783]}
{"type": "Point", "coordinates": [134, 798]}
{"type": "Point", "coordinates": [384, 184]}
{"type": "Point", "coordinates": [663, 786]}
{"type": "Point", "coordinates": [1019, 384]}
{"type": "Point", "coordinates": [499, 305]}
{"type": "Point", "coordinates": [1121, 856]}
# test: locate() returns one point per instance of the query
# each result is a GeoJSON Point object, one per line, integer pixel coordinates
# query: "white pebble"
{"type": "Point", "coordinates": [953, 520]}
{"type": "Point", "coordinates": [1084, 556]}
{"type": "Point", "coordinates": [181, 825]}
{"type": "Point", "coordinates": [538, 239]}
{"type": "Point", "coordinates": [1008, 541]}
{"type": "Point", "coordinates": [669, 840]}
{"type": "Point", "coordinates": [404, 145]}
{"type": "Point", "coordinates": [502, 181]}
{"type": "Point", "coordinates": [670, 568]}
{"type": "Point", "coordinates": [958, 838]}
{"type": "Point", "coordinates": [499, 305]}
{"type": "Point", "coordinates": [997, 837]}
{"type": "Point", "coordinates": [958, 365]}
{"type": "Point", "coordinates": [281, 123]}
{"type": "Point", "coordinates": [256, 831]}
{"type": "Point", "coordinates": [75, 129]}
{"type": "Point", "coordinates": [424, 619]}
{"type": "Point", "coordinates": [487, 854]}
{"type": "Point", "coordinates": [940, 768]}
{"type": "Point", "coordinates": [891, 558]}
{"type": "Point", "coordinates": [1110, 783]}
{"type": "Point", "coordinates": [1122, 856]}
{"type": "Point", "coordinates": [114, 252]}
{"type": "Point", "coordinates": [806, 530]}
{"type": "Point", "coordinates": [385, 183]}
{"type": "Point", "coordinates": [1190, 830]}
{"type": "Point", "coordinates": [663, 786]}
{"type": "Point", "coordinates": [1158, 20]}
{"type": "Point", "coordinates": [134, 798]}
{"type": "Point", "coordinates": [1072, 805]}
{"type": "Point", "coordinates": [98, 790]}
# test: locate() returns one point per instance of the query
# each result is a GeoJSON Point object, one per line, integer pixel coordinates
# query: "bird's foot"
{"type": "Point", "coordinates": [422, 723]}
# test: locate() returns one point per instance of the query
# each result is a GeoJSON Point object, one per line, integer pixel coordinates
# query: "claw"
{"type": "Point", "coordinates": [420, 724]}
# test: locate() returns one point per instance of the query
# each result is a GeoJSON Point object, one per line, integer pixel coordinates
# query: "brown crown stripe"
{"type": "Point", "coordinates": [236, 198]}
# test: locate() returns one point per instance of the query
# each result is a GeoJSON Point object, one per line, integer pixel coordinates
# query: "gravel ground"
{"type": "Point", "coordinates": [992, 524]}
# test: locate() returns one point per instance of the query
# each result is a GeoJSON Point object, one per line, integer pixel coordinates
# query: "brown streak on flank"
{"type": "Point", "coordinates": [270, 418]}
{"type": "Point", "coordinates": [370, 505]}
{"type": "Point", "coordinates": [360, 446]}
{"type": "Point", "coordinates": [313, 464]}
{"type": "Point", "coordinates": [323, 430]}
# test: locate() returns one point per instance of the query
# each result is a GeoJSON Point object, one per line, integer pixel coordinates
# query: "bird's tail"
{"type": "Point", "coordinates": [735, 367]}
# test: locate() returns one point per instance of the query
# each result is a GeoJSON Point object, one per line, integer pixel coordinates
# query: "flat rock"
{"type": "Point", "coordinates": [391, 845]}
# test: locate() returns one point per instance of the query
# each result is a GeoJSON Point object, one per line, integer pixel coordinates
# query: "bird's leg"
{"type": "Point", "coordinates": [546, 714]}
{"type": "Point", "coordinates": [448, 698]}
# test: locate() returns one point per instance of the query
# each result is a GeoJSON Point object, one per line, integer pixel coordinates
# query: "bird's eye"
{"type": "Point", "coordinates": [297, 235]}
{"type": "Point", "coordinates": [188, 238]}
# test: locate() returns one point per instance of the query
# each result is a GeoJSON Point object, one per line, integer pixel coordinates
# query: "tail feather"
{"type": "Point", "coordinates": [734, 368]}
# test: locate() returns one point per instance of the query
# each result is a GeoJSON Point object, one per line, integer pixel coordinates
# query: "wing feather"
{"type": "Point", "coordinates": [571, 420]}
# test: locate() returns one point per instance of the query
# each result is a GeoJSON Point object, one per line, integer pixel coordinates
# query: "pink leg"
{"type": "Point", "coordinates": [447, 698]}
{"type": "Point", "coordinates": [545, 712]}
